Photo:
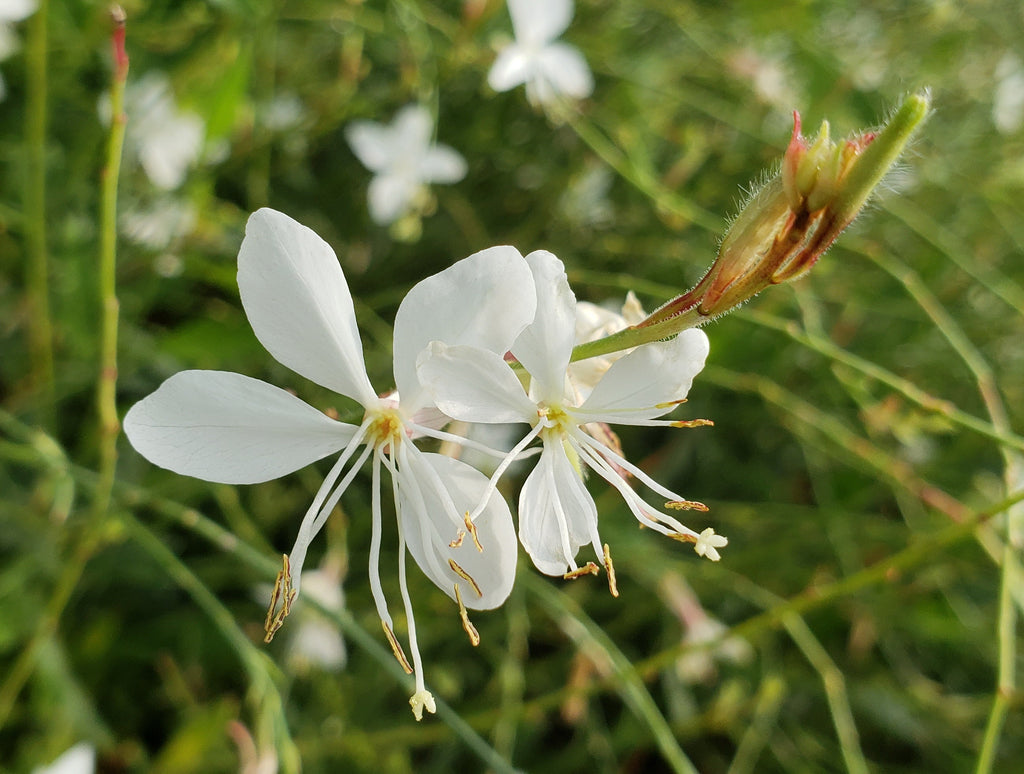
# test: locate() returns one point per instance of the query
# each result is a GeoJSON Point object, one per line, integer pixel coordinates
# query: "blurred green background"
{"type": "Point", "coordinates": [864, 416]}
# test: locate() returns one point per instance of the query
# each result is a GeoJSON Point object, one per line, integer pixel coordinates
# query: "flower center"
{"type": "Point", "coordinates": [554, 419]}
{"type": "Point", "coordinates": [385, 429]}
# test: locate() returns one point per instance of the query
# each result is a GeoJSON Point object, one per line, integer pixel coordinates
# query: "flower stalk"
{"type": "Point", "coordinates": [785, 228]}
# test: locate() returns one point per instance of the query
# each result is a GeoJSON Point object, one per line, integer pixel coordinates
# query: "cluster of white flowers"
{"type": "Point", "coordinates": [488, 340]}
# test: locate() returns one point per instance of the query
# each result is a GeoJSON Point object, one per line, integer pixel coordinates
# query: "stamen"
{"type": "Point", "coordinates": [669, 403]}
{"type": "Point", "coordinates": [457, 542]}
{"type": "Point", "coordinates": [693, 423]}
{"type": "Point", "coordinates": [471, 526]}
{"type": "Point", "coordinates": [282, 591]}
{"type": "Point", "coordinates": [474, 635]}
{"type": "Point", "coordinates": [396, 648]}
{"type": "Point", "coordinates": [610, 568]}
{"type": "Point", "coordinates": [687, 505]}
{"type": "Point", "coordinates": [588, 569]}
{"type": "Point", "coordinates": [682, 537]}
{"type": "Point", "coordinates": [465, 575]}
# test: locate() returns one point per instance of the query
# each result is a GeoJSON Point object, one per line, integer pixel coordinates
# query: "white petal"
{"type": "Point", "coordinates": [442, 164]}
{"type": "Point", "coordinates": [413, 128]}
{"type": "Point", "coordinates": [229, 428]}
{"type": "Point", "coordinates": [80, 759]}
{"type": "Point", "coordinates": [554, 486]}
{"type": "Point", "coordinates": [545, 346]}
{"type": "Point", "coordinates": [648, 378]}
{"type": "Point", "coordinates": [512, 67]}
{"type": "Point", "coordinates": [566, 70]}
{"type": "Point", "coordinates": [372, 144]}
{"type": "Point", "coordinates": [429, 527]}
{"type": "Point", "coordinates": [473, 385]}
{"type": "Point", "coordinates": [298, 303]}
{"type": "Point", "coordinates": [16, 10]}
{"type": "Point", "coordinates": [484, 301]}
{"type": "Point", "coordinates": [389, 197]}
{"type": "Point", "coordinates": [538, 21]}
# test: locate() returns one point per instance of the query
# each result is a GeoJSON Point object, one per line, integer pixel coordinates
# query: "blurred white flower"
{"type": "Point", "coordinates": [166, 140]}
{"type": "Point", "coordinates": [11, 12]}
{"type": "Point", "coordinates": [160, 224]}
{"type": "Point", "coordinates": [317, 640]}
{"type": "Point", "coordinates": [80, 759]}
{"type": "Point", "coordinates": [697, 664]}
{"type": "Point", "coordinates": [403, 160]}
{"type": "Point", "coordinates": [550, 69]}
{"type": "Point", "coordinates": [1008, 100]}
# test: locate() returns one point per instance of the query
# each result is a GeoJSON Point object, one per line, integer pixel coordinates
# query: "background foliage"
{"type": "Point", "coordinates": [863, 570]}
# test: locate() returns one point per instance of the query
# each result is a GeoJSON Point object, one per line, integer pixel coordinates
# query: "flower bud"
{"type": "Point", "coordinates": [792, 220]}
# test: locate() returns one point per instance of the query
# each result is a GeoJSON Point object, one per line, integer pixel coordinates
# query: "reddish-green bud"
{"type": "Point", "coordinates": [787, 226]}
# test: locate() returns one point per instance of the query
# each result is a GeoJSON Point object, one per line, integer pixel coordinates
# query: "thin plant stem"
{"type": "Point", "coordinates": [40, 329]}
{"type": "Point", "coordinates": [831, 677]}
{"type": "Point", "coordinates": [770, 696]}
{"type": "Point", "coordinates": [106, 400]}
{"type": "Point", "coordinates": [266, 697]}
{"type": "Point", "coordinates": [134, 497]}
{"type": "Point", "coordinates": [923, 550]}
{"type": "Point", "coordinates": [904, 387]}
{"type": "Point", "coordinates": [1008, 587]}
{"type": "Point", "coordinates": [569, 616]}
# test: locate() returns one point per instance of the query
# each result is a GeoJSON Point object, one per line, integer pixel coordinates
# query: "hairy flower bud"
{"type": "Point", "coordinates": [787, 225]}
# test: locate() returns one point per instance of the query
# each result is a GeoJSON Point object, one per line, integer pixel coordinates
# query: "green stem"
{"type": "Point", "coordinates": [37, 280]}
{"type": "Point", "coordinates": [106, 402]}
{"type": "Point", "coordinates": [589, 637]}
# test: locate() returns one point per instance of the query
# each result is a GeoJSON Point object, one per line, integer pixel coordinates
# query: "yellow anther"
{"type": "Point", "coordinates": [474, 635]}
{"type": "Point", "coordinates": [466, 576]}
{"type": "Point", "coordinates": [588, 569]}
{"type": "Point", "coordinates": [457, 542]}
{"type": "Point", "coordinates": [282, 592]}
{"type": "Point", "coordinates": [693, 423]}
{"type": "Point", "coordinates": [682, 537]}
{"type": "Point", "coordinates": [396, 648]}
{"type": "Point", "coordinates": [472, 531]}
{"type": "Point", "coordinates": [610, 568]}
{"type": "Point", "coordinates": [686, 505]}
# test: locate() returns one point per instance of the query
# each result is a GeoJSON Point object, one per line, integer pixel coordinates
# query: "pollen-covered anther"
{"type": "Point", "coordinates": [683, 537]}
{"type": "Point", "coordinates": [588, 569]}
{"type": "Point", "coordinates": [610, 569]}
{"type": "Point", "coordinates": [693, 423]}
{"type": "Point", "coordinates": [457, 542]}
{"type": "Point", "coordinates": [282, 592]}
{"type": "Point", "coordinates": [474, 635]}
{"type": "Point", "coordinates": [670, 403]}
{"type": "Point", "coordinates": [687, 505]}
{"type": "Point", "coordinates": [396, 648]}
{"type": "Point", "coordinates": [465, 575]}
{"type": "Point", "coordinates": [471, 527]}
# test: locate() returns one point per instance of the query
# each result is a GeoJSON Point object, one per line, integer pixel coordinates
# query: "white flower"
{"type": "Point", "coordinates": [166, 140]}
{"type": "Point", "coordinates": [557, 515]}
{"type": "Point", "coordinates": [316, 640]}
{"type": "Point", "coordinates": [403, 161]}
{"type": "Point", "coordinates": [230, 428]}
{"type": "Point", "coordinates": [549, 69]}
{"type": "Point", "coordinates": [595, 322]}
{"type": "Point", "coordinates": [1008, 98]}
{"type": "Point", "coordinates": [80, 759]}
{"type": "Point", "coordinates": [11, 12]}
